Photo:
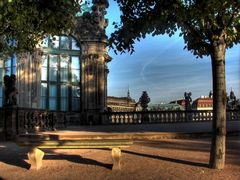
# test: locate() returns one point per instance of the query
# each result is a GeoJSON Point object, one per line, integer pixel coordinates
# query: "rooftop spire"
{"type": "Point", "coordinates": [128, 93]}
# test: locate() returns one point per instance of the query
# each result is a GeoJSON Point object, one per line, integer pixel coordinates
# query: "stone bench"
{"type": "Point", "coordinates": [35, 154]}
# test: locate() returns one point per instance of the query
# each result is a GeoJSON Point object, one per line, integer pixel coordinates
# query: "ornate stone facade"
{"type": "Point", "coordinates": [92, 40]}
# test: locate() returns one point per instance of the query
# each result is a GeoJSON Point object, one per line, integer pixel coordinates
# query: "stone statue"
{"type": "Point", "coordinates": [210, 94]}
{"type": "Point", "coordinates": [10, 89]}
{"type": "Point", "coordinates": [232, 102]}
{"type": "Point", "coordinates": [188, 100]}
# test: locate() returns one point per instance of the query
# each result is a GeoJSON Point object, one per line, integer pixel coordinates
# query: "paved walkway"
{"type": "Point", "coordinates": [167, 159]}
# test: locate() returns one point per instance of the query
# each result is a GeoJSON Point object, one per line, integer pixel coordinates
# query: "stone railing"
{"type": "Point", "coordinates": [33, 120]}
{"type": "Point", "coordinates": [165, 117]}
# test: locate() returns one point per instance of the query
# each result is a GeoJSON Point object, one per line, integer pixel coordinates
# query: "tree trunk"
{"type": "Point", "coordinates": [217, 154]}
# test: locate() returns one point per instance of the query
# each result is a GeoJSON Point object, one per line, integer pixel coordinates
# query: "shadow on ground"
{"type": "Point", "coordinates": [76, 159]}
{"type": "Point", "coordinates": [16, 156]}
{"type": "Point", "coordinates": [168, 159]}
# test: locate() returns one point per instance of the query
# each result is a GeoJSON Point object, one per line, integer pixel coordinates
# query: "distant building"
{"type": "Point", "coordinates": [122, 104]}
{"type": "Point", "coordinates": [203, 103]}
{"type": "Point", "coordinates": [181, 102]}
{"type": "Point", "coordinates": [167, 107]}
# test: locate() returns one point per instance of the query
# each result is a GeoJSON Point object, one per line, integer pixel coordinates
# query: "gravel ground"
{"type": "Point", "coordinates": [145, 160]}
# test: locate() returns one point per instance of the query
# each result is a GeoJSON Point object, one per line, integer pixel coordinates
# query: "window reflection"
{"type": "Point", "coordinates": [74, 45]}
{"type": "Point", "coordinates": [52, 103]}
{"type": "Point", "coordinates": [75, 62]}
{"type": "Point", "coordinates": [61, 74]}
{"type": "Point", "coordinates": [64, 61]}
{"type": "Point", "coordinates": [65, 42]}
{"type": "Point", "coordinates": [52, 90]}
{"type": "Point", "coordinates": [44, 74]}
{"type": "Point", "coordinates": [75, 75]}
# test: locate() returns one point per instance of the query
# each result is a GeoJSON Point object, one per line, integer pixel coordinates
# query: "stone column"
{"type": "Point", "coordinates": [29, 78]}
{"type": "Point", "coordinates": [90, 33]}
{"type": "Point", "coordinates": [93, 81]}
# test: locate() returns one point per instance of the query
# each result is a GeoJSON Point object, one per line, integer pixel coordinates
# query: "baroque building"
{"type": "Point", "coordinates": [203, 103]}
{"type": "Point", "coordinates": [68, 72]}
{"type": "Point", "coordinates": [122, 104]}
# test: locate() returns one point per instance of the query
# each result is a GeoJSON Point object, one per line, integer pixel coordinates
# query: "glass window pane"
{"type": "Point", "coordinates": [54, 41]}
{"type": "Point", "coordinates": [74, 45]}
{"type": "Point", "coordinates": [14, 60]}
{"type": "Point", "coordinates": [52, 103]}
{"type": "Point", "coordinates": [45, 42]}
{"type": "Point", "coordinates": [75, 104]}
{"type": "Point", "coordinates": [75, 91]}
{"type": "Point", "coordinates": [7, 71]}
{"type": "Point", "coordinates": [1, 102]}
{"type": "Point", "coordinates": [53, 74]}
{"type": "Point", "coordinates": [65, 42]}
{"type": "Point", "coordinates": [64, 61]}
{"type": "Point", "coordinates": [75, 62]}
{"type": "Point", "coordinates": [43, 89]}
{"type": "Point", "coordinates": [8, 62]}
{"type": "Point", "coordinates": [64, 75]}
{"type": "Point", "coordinates": [53, 59]}
{"type": "Point", "coordinates": [43, 102]}
{"type": "Point", "coordinates": [52, 91]}
{"type": "Point", "coordinates": [1, 91]}
{"type": "Point", "coordinates": [75, 76]}
{"type": "Point", "coordinates": [14, 70]}
{"type": "Point", "coordinates": [64, 91]}
{"type": "Point", "coordinates": [64, 104]}
{"type": "Point", "coordinates": [45, 60]}
{"type": "Point", "coordinates": [44, 74]}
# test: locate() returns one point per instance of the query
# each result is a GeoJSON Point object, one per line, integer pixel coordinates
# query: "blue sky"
{"type": "Point", "coordinates": [161, 67]}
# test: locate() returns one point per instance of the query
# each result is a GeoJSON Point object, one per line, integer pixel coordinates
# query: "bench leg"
{"type": "Point", "coordinates": [116, 156]}
{"type": "Point", "coordinates": [35, 157]}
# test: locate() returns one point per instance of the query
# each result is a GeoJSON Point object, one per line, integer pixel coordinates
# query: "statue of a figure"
{"type": "Point", "coordinates": [232, 101]}
{"type": "Point", "coordinates": [10, 89]}
{"type": "Point", "coordinates": [210, 94]}
{"type": "Point", "coordinates": [188, 100]}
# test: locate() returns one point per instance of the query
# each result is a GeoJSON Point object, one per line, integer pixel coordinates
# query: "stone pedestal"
{"type": "Point", "coordinates": [2, 125]}
{"type": "Point", "coordinates": [10, 122]}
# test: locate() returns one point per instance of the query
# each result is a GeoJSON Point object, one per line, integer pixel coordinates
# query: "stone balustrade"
{"type": "Point", "coordinates": [166, 116]}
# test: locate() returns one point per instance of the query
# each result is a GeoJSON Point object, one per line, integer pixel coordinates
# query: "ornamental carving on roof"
{"type": "Point", "coordinates": [92, 24]}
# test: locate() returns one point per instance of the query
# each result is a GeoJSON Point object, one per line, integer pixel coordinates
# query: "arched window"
{"type": "Point", "coordinates": [60, 76]}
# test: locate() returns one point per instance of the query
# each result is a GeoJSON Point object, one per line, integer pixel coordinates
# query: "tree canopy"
{"type": "Point", "coordinates": [200, 22]}
{"type": "Point", "coordinates": [24, 23]}
{"type": "Point", "coordinates": [208, 28]}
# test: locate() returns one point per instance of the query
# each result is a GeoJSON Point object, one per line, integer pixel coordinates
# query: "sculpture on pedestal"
{"type": "Point", "coordinates": [10, 90]}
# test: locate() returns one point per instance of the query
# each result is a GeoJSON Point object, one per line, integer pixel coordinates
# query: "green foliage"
{"type": "Point", "coordinates": [202, 23]}
{"type": "Point", "coordinates": [24, 23]}
{"type": "Point", "coordinates": [144, 100]}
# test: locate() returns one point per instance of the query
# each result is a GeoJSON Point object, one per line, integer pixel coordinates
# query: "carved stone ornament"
{"type": "Point", "coordinates": [22, 57]}
{"type": "Point", "coordinates": [93, 24]}
{"type": "Point", "coordinates": [10, 90]}
{"type": "Point", "coordinates": [37, 56]}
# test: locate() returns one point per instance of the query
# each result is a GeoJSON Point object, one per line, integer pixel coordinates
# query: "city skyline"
{"type": "Point", "coordinates": [164, 69]}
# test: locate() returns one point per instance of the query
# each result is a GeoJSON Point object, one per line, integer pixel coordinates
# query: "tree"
{"type": "Point", "coordinates": [208, 28]}
{"type": "Point", "coordinates": [24, 23]}
{"type": "Point", "coordinates": [144, 100]}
